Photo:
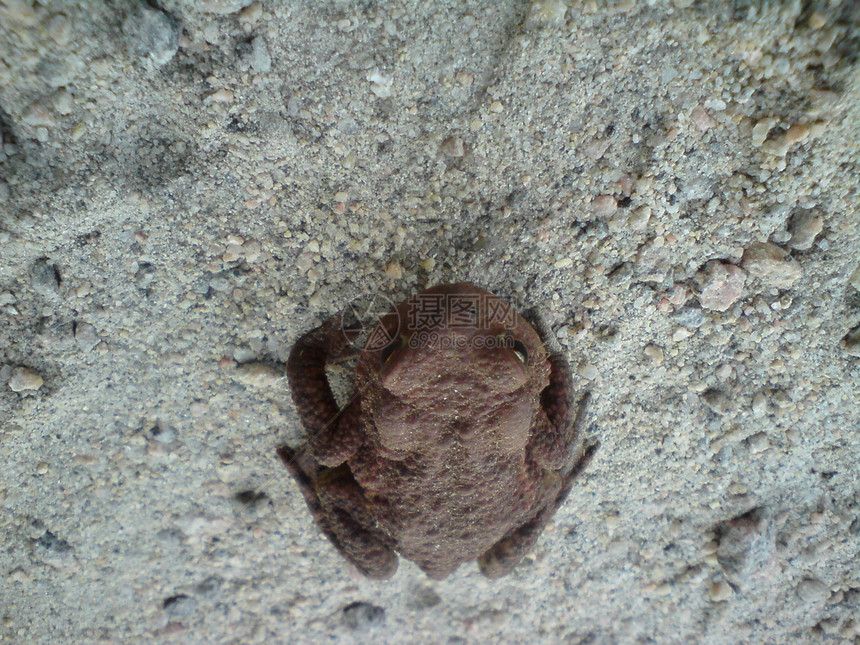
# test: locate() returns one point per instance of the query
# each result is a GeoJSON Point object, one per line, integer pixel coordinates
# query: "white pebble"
{"type": "Point", "coordinates": [24, 379]}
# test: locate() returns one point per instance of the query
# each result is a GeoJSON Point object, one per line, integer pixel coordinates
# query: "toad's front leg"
{"type": "Point", "coordinates": [332, 433]}
{"type": "Point", "coordinates": [555, 431]}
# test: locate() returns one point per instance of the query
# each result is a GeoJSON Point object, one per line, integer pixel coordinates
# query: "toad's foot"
{"type": "Point", "coordinates": [340, 509]}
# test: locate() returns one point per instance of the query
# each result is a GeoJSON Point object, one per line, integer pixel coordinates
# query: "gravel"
{"type": "Point", "coordinates": [188, 185]}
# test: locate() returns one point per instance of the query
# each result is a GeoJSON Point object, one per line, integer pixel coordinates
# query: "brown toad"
{"type": "Point", "coordinates": [458, 443]}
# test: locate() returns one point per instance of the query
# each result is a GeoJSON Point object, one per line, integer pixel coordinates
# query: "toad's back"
{"type": "Point", "coordinates": [453, 509]}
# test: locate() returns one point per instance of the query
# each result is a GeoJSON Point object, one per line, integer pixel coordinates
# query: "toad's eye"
{"type": "Point", "coordinates": [521, 352]}
{"type": "Point", "coordinates": [388, 351]}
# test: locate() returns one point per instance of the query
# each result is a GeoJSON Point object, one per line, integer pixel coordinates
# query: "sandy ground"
{"type": "Point", "coordinates": [185, 188]}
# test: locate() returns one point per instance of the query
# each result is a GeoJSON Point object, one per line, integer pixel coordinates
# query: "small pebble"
{"type": "Point", "coordinates": [362, 615]}
{"type": "Point", "coordinates": [258, 375]}
{"type": "Point", "coordinates": [86, 336]}
{"type": "Point", "coordinates": [24, 379]}
{"type": "Point", "coordinates": [720, 591]}
{"type": "Point", "coordinates": [851, 342]}
{"type": "Point", "coordinates": [680, 294]}
{"type": "Point", "coordinates": [723, 284]}
{"type": "Point", "coordinates": [804, 228]}
{"type": "Point", "coordinates": [655, 353]}
{"type": "Point", "coordinates": [701, 119]}
{"type": "Point", "coordinates": [394, 270]}
{"type": "Point", "coordinates": [163, 434]}
{"type": "Point", "coordinates": [45, 278]}
{"type": "Point", "coordinates": [757, 442]}
{"type": "Point", "coordinates": [797, 133]}
{"type": "Point", "coordinates": [810, 590]}
{"type": "Point", "coordinates": [604, 206]}
{"type": "Point", "coordinates": [547, 12]}
{"type": "Point", "coordinates": [423, 598]}
{"type": "Point", "coordinates": [717, 402]}
{"type": "Point", "coordinates": [817, 20]}
{"type": "Point", "coordinates": [63, 101]}
{"type": "Point", "coordinates": [653, 261]}
{"type": "Point", "coordinates": [222, 95]}
{"type": "Point", "coordinates": [261, 61]}
{"type": "Point", "coordinates": [453, 147]}
{"type": "Point", "coordinates": [771, 264]}
{"type": "Point", "coordinates": [224, 6]}
{"type": "Point", "coordinates": [251, 13]}
{"type": "Point", "coordinates": [759, 405]}
{"type": "Point", "coordinates": [724, 372]}
{"type": "Point", "coordinates": [588, 371]}
{"type": "Point", "coordinates": [180, 606]}
{"type": "Point", "coordinates": [690, 317]}
{"type": "Point", "coordinates": [761, 129]}
{"type": "Point", "coordinates": [681, 334]}
{"type": "Point", "coordinates": [18, 12]}
{"type": "Point", "coordinates": [854, 279]}
{"type": "Point", "coordinates": [38, 115]}
{"type": "Point", "coordinates": [381, 86]}
{"type": "Point", "coordinates": [151, 34]}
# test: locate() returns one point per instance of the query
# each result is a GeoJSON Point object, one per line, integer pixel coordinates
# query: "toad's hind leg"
{"type": "Point", "coordinates": [339, 507]}
{"type": "Point", "coordinates": [505, 554]}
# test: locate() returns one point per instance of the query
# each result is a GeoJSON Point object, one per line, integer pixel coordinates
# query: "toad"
{"type": "Point", "coordinates": [459, 442]}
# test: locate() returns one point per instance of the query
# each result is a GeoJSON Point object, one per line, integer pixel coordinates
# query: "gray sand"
{"type": "Point", "coordinates": [186, 189]}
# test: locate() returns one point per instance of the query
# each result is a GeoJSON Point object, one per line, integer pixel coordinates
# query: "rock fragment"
{"type": "Point", "coordinates": [24, 379]}
{"type": "Point", "coordinates": [690, 317]}
{"type": "Point", "coordinates": [261, 60]}
{"type": "Point", "coordinates": [151, 34]}
{"type": "Point", "coordinates": [653, 261]}
{"type": "Point", "coordinates": [718, 402]}
{"type": "Point", "coordinates": [804, 228]}
{"type": "Point", "coordinates": [720, 591]}
{"type": "Point", "coordinates": [86, 336]}
{"type": "Point", "coordinates": [761, 129]}
{"type": "Point", "coordinates": [810, 590]}
{"type": "Point", "coordinates": [362, 615]}
{"type": "Point", "coordinates": [854, 279]}
{"type": "Point", "coordinates": [179, 606]}
{"type": "Point", "coordinates": [381, 85]}
{"type": "Point", "coordinates": [453, 147]}
{"type": "Point", "coordinates": [224, 6]}
{"type": "Point", "coordinates": [746, 548]}
{"type": "Point", "coordinates": [723, 284]}
{"type": "Point", "coordinates": [604, 206]}
{"type": "Point", "coordinates": [547, 12]}
{"type": "Point", "coordinates": [772, 264]}
{"type": "Point", "coordinates": [45, 278]}
{"type": "Point", "coordinates": [655, 354]}
{"type": "Point", "coordinates": [258, 375]}
{"type": "Point", "coordinates": [702, 119]}
{"type": "Point", "coordinates": [851, 342]}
